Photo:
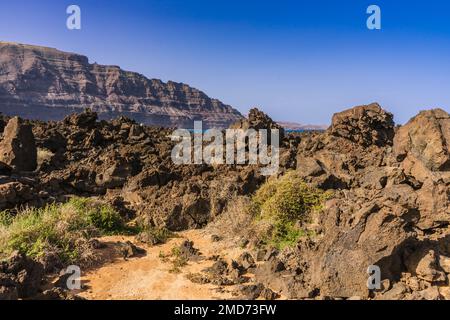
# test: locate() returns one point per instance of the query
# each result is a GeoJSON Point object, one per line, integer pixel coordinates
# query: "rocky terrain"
{"type": "Point", "coordinates": [47, 84]}
{"type": "Point", "coordinates": [387, 204]}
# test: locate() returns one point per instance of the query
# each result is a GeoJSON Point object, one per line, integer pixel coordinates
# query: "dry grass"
{"type": "Point", "coordinates": [235, 220]}
{"type": "Point", "coordinates": [276, 215]}
{"type": "Point", "coordinates": [44, 156]}
{"type": "Point", "coordinates": [64, 229]}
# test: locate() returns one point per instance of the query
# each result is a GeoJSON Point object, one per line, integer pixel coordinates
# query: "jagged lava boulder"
{"type": "Point", "coordinates": [356, 140]}
{"type": "Point", "coordinates": [366, 125]}
{"type": "Point", "coordinates": [20, 277]}
{"type": "Point", "coordinates": [18, 148]}
{"type": "Point", "coordinates": [258, 120]}
{"type": "Point", "coordinates": [427, 138]}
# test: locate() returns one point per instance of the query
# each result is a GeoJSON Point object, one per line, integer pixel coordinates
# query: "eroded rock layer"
{"type": "Point", "coordinates": [47, 84]}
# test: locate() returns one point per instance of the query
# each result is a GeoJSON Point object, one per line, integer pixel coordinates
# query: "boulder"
{"type": "Point", "coordinates": [425, 264]}
{"type": "Point", "coordinates": [8, 288]}
{"type": "Point", "coordinates": [24, 274]}
{"type": "Point", "coordinates": [129, 250]}
{"type": "Point", "coordinates": [7, 193]}
{"type": "Point", "coordinates": [398, 292]}
{"type": "Point", "coordinates": [250, 292]}
{"type": "Point", "coordinates": [246, 260]}
{"type": "Point", "coordinates": [431, 293]}
{"type": "Point", "coordinates": [13, 193]}
{"type": "Point", "coordinates": [258, 120]}
{"type": "Point", "coordinates": [444, 263]}
{"type": "Point", "coordinates": [18, 148]}
{"type": "Point", "coordinates": [188, 251]}
{"type": "Point", "coordinates": [56, 294]}
{"type": "Point", "coordinates": [86, 119]}
{"type": "Point", "coordinates": [426, 137]}
{"type": "Point", "coordinates": [365, 125]}
{"type": "Point", "coordinates": [116, 170]}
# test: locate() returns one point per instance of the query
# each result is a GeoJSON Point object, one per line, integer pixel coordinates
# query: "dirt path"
{"type": "Point", "coordinates": [150, 276]}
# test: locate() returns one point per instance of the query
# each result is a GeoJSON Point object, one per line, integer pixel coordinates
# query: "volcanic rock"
{"type": "Point", "coordinates": [426, 137]}
{"type": "Point", "coordinates": [56, 294]}
{"type": "Point", "coordinates": [389, 204]}
{"type": "Point", "coordinates": [258, 120]}
{"type": "Point", "coordinates": [14, 193]}
{"type": "Point", "coordinates": [18, 148]}
{"type": "Point", "coordinates": [129, 250]}
{"type": "Point", "coordinates": [425, 264]}
{"type": "Point", "coordinates": [365, 125]}
{"type": "Point", "coordinates": [250, 292]}
{"type": "Point", "coordinates": [86, 119]}
{"type": "Point", "coordinates": [246, 260]}
{"type": "Point", "coordinates": [24, 274]}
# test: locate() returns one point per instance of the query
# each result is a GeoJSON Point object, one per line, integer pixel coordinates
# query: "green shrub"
{"type": "Point", "coordinates": [64, 229]}
{"type": "Point", "coordinates": [284, 204]}
{"type": "Point", "coordinates": [178, 260]}
{"type": "Point", "coordinates": [105, 218]}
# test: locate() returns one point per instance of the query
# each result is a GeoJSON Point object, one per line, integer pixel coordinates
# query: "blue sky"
{"type": "Point", "coordinates": [297, 60]}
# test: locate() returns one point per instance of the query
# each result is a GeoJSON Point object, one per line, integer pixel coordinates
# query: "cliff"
{"type": "Point", "coordinates": [48, 84]}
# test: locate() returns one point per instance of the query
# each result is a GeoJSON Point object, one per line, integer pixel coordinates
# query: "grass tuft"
{"type": "Point", "coordinates": [283, 205]}
{"type": "Point", "coordinates": [178, 260]}
{"type": "Point", "coordinates": [62, 228]}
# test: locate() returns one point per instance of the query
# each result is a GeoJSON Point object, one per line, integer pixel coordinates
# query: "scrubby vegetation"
{"type": "Point", "coordinates": [178, 260]}
{"type": "Point", "coordinates": [43, 156]}
{"type": "Point", "coordinates": [281, 206]}
{"type": "Point", "coordinates": [278, 214]}
{"type": "Point", "coordinates": [64, 229]}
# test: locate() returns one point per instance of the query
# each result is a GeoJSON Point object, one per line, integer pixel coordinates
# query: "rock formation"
{"type": "Point", "coordinates": [256, 120]}
{"type": "Point", "coordinates": [366, 125]}
{"type": "Point", "coordinates": [47, 84]}
{"type": "Point", "coordinates": [390, 204]}
{"type": "Point", "coordinates": [17, 148]}
{"type": "Point", "coordinates": [426, 138]}
{"type": "Point", "coordinates": [391, 207]}
{"type": "Point", "coordinates": [20, 277]}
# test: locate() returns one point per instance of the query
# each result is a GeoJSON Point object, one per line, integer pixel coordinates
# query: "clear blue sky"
{"type": "Point", "coordinates": [298, 60]}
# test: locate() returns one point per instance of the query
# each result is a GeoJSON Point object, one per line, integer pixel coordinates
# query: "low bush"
{"type": "Point", "coordinates": [283, 205]}
{"type": "Point", "coordinates": [178, 260]}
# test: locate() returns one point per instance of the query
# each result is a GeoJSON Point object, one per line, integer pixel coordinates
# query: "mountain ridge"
{"type": "Point", "coordinates": [47, 84]}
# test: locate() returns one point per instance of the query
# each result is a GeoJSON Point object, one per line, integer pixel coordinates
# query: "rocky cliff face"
{"type": "Point", "coordinates": [47, 84]}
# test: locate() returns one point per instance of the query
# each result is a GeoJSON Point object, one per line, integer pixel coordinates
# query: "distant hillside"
{"type": "Point", "coordinates": [297, 126]}
{"type": "Point", "coordinates": [47, 84]}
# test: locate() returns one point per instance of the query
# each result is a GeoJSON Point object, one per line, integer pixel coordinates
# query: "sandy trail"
{"type": "Point", "coordinates": [149, 277]}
